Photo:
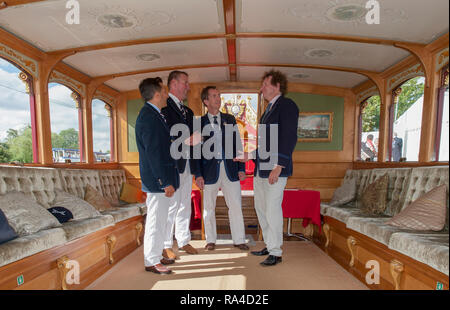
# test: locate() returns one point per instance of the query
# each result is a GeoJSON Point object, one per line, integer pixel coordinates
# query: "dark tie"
{"type": "Point", "coordinates": [163, 117]}
{"type": "Point", "coordinates": [215, 120]}
{"type": "Point", "coordinates": [183, 111]}
{"type": "Point", "coordinates": [267, 111]}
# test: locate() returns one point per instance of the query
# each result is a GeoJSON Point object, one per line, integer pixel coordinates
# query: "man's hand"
{"type": "Point", "coordinates": [274, 174]}
{"type": "Point", "coordinates": [169, 190]}
{"type": "Point", "coordinates": [194, 139]}
{"type": "Point", "coordinates": [200, 182]}
{"type": "Point", "coordinates": [241, 176]}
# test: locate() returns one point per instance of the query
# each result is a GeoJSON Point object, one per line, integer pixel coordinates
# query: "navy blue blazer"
{"type": "Point", "coordinates": [284, 113]}
{"type": "Point", "coordinates": [157, 168]}
{"type": "Point", "coordinates": [209, 169]}
{"type": "Point", "coordinates": [174, 116]}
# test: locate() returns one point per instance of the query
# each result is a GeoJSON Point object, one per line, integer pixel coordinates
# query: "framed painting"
{"type": "Point", "coordinates": [315, 126]}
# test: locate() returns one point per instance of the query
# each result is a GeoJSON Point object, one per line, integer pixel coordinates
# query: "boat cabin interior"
{"type": "Point", "coordinates": [366, 206]}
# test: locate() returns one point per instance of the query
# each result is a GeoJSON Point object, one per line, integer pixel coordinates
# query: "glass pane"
{"type": "Point", "coordinates": [370, 129]}
{"type": "Point", "coordinates": [64, 124]}
{"type": "Point", "coordinates": [408, 121]}
{"type": "Point", "coordinates": [244, 107]}
{"type": "Point", "coordinates": [101, 131]}
{"type": "Point", "coordinates": [443, 149]}
{"type": "Point", "coordinates": [16, 142]}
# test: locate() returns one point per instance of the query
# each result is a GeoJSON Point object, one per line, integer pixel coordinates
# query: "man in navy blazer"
{"type": "Point", "coordinates": [159, 173]}
{"type": "Point", "coordinates": [273, 165]}
{"type": "Point", "coordinates": [217, 170]}
{"type": "Point", "coordinates": [179, 219]}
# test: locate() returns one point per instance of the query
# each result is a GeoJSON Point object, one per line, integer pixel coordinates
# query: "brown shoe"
{"type": "Point", "coordinates": [166, 261]}
{"type": "Point", "coordinates": [242, 246]}
{"type": "Point", "coordinates": [189, 249]}
{"type": "Point", "coordinates": [169, 254]}
{"type": "Point", "coordinates": [210, 246]}
{"type": "Point", "coordinates": [159, 269]}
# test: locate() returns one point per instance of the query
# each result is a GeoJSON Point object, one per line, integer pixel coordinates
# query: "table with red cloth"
{"type": "Point", "coordinates": [196, 214]}
{"type": "Point", "coordinates": [303, 204]}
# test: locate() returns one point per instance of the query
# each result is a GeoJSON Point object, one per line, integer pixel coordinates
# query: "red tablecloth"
{"type": "Point", "coordinates": [303, 204]}
{"type": "Point", "coordinates": [196, 215]}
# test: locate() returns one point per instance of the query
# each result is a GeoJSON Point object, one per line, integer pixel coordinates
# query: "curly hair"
{"type": "Point", "coordinates": [277, 77]}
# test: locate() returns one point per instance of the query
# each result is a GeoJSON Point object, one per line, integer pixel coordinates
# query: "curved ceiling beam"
{"type": "Point", "coordinates": [160, 69]}
{"type": "Point", "coordinates": [9, 3]}
{"type": "Point", "coordinates": [355, 39]}
{"type": "Point", "coordinates": [369, 74]}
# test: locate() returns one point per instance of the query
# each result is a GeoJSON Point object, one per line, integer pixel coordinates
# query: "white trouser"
{"type": "Point", "coordinates": [179, 217]}
{"type": "Point", "coordinates": [232, 194]}
{"type": "Point", "coordinates": [268, 199]}
{"type": "Point", "coordinates": [157, 211]}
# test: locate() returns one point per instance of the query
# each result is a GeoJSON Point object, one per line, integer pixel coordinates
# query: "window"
{"type": "Point", "coordinates": [17, 125]}
{"type": "Point", "coordinates": [65, 122]}
{"type": "Point", "coordinates": [369, 127]}
{"type": "Point", "coordinates": [442, 126]}
{"type": "Point", "coordinates": [406, 120]}
{"type": "Point", "coordinates": [101, 130]}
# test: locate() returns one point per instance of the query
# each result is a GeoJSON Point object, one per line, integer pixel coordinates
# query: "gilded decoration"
{"type": "Point", "coordinates": [372, 91]}
{"type": "Point", "coordinates": [104, 97]}
{"type": "Point", "coordinates": [58, 77]}
{"type": "Point", "coordinates": [441, 59]}
{"type": "Point", "coordinates": [410, 73]}
{"type": "Point", "coordinates": [28, 64]}
{"type": "Point", "coordinates": [24, 78]}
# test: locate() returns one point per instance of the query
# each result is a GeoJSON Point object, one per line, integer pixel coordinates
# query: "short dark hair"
{"type": "Point", "coordinates": [370, 137]}
{"type": "Point", "coordinates": [148, 87]}
{"type": "Point", "coordinates": [174, 75]}
{"type": "Point", "coordinates": [205, 92]}
{"type": "Point", "coordinates": [277, 77]}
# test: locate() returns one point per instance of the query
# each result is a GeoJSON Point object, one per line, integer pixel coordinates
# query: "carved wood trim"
{"type": "Point", "coordinates": [351, 243]}
{"type": "Point", "coordinates": [62, 264]}
{"type": "Point", "coordinates": [396, 269]}
{"type": "Point", "coordinates": [138, 228]}
{"type": "Point", "coordinates": [111, 243]}
{"type": "Point", "coordinates": [326, 230]}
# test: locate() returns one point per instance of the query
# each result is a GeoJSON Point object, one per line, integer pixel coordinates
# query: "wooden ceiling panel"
{"type": "Point", "coordinates": [403, 20]}
{"type": "Point", "coordinates": [303, 75]}
{"type": "Point", "coordinates": [321, 52]}
{"type": "Point", "coordinates": [44, 25]}
{"type": "Point", "coordinates": [196, 75]}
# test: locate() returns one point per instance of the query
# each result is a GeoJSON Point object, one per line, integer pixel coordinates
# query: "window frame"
{"type": "Point", "coordinates": [76, 96]}
{"type": "Point", "coordinates": [111, 130]}
{"type": "Point", "coordinates": [27, 78]}
{"type": "Point", "coordinates": [443, 86]}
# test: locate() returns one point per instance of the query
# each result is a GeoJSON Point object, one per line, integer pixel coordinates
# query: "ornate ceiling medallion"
{"type": "Point", "coordinates": [300, 76]}
{"type": "Point", "coordinates": [319, 53]}
{"type": "Point", "coordinates": [115, 20]}
{"type": "Point", "coordinates": [348, 12]}
{"type": "Point", "coordinates": [148, 57]}
{"type": "Point", "coordinates": [115, 17]}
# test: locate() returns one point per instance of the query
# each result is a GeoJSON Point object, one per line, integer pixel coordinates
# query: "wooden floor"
{"type": "Point", "coordinates": [304, 267]}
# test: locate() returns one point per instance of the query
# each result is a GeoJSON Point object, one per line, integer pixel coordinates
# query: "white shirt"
{"type": "Point", "coordinates": [274, 99]}
{"type": "Point", "coordinates": [177, 101]}
{"type": "Point", "coordinates": [211, 119]}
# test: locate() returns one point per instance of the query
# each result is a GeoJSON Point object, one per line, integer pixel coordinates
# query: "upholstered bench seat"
{"type": "Point", "coordinates": [344, 213]}
{"type": "Point", "coordinates": [431, 248]}
{"type": "Point", "coordinates": [373, 227]}
{"type": "Point", "coordinates": [123, 213]}
{"type": "Point", "coordinates": [79, 228]}
{"type": "Point", "coordinates": [21, 247]}
{"type": "Point", "coordinates": [142, 207]}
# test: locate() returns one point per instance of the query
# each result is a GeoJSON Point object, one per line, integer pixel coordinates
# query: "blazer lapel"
{"type": "Point", "coordinates": [272, 108]}
{"type": "Point", "coordinates": [158, 115]}
{"type": "Point", "coordinates": [174, 106]}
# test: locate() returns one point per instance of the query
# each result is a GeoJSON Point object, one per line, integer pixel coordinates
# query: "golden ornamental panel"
{"type": "Point", "coordinates": [26, 63]}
